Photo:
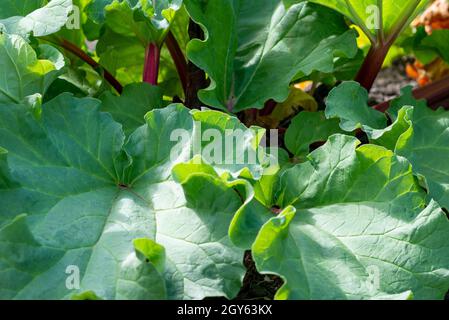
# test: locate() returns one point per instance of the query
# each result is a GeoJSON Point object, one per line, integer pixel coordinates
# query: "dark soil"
{"type": "Point", "coordinates": [255, 285]}
{"type": "Point", "coordinates": [390, 81]}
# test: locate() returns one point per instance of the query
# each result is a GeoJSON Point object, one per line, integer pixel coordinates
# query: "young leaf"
{"type": "Point", "coordinates": [24, 74]}
{"type": "Point", "coordinates": [349, 102]}
{"type": "Point", "coordinates": [405, 99]}
{"type": "Point", "coordinates": [371, 121]}
{"type": "Point", "coordinates": [251, 58]}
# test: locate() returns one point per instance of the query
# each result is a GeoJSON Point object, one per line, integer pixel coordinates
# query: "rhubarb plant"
{"type": "Point", "coordinates": [112, 188]}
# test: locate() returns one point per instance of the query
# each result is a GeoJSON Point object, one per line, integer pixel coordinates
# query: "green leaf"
{"type": "Point", "coordinates": [377, 16]}
{"type": "Point", "coordinates": [89, 194]}
{"type": "Point", "coordinates": [96, 9]}
{"type": "Point", "coordinates": [344, 100]}
{"type": "Point", "coordinates": [19, 7]}
{"type": "Point", "coordinates": [349, 102]}
{"type": "Point", "coordinates": [424, 144]}
{"type": "Point", "coordinates": [242, 50]}
{"type": "Point", "coordinates": [168, 74]}
{"type": "Point", "coordinates": [389, 136]}
{"type": "Point", "coordinates": [148, 20]}
{"type": "Point", "coordinates": [428, 46]}
{"type": "Point", "coordinates": [124, 56]}
{"type": "Point", "coordinates": [41, 22]}
{"type": "Point", "coordinates": [307, 128]}
{"type": "Point", "coordinates": [405, 99]}
{"type": "Point", "coordinates": [24, 74]}
{"type": "Point", "coordinates": [354, 228]}
{"type": "Point", "coordinates": [132, 105]}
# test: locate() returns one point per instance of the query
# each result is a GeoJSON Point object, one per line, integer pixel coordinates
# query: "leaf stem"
{"type": "Point", "coordinates": [151, 67]}
{"type": "Point", "coordinates": [372, 65]}
{"type": "Point", "coordinates": [72, 48]}
{"type": "Point", "coordinates": [380, 30]}
{"type": "Point", "coordinates": [178, 58]}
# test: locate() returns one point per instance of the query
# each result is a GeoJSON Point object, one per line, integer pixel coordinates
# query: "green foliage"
{"type": "Point", "coordinates": [378, 19]}
{"type": "Point", "coordinates": [427, 47]}
{"type": "Point", "coordinates": [425, 145]}
{"type": "Point", "coordinates": [88, 199]}
{"type": "Point", "coordinates": [242, 49]}
{"type": "Point", "coordinates": [349, 102]}
{"type": "Point", "coordinates": [23, 73]}
{"type": "Point", "coordinates": [122, 194]}
{"type": "Point", "coordinates": [349, 212]}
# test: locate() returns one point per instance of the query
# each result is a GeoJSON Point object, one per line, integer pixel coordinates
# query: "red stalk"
{"type": "Point", "coordinates": [178, 58]}
{"type": "Point", "coordinates": [372, 65]}
{"type": "Point", "coordinates": [67, 45]}
{"type": "Point", "coordinates": [151, 67]}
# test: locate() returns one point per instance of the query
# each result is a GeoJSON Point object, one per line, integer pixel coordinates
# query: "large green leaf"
{"type": "Point", "coordinates": [106, 206]}
{"type": "Point", "coordinates": [425, 145]}
{"type": "Point", "coordinates": [417, 133]}
{"type": "Point", "coordinates": [349, 102]}
{"type": "Point", "coordinates": [41, 22]}
{"type": "Point", "coordinates": [355, 227]}
{"type": "Point", "coordinates": [22, 73]}
{"type": "Point", "coordinates": [251, 58]}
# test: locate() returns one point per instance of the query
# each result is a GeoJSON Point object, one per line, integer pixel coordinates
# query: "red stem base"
{"type": "Point", "coordinates": [151, 67]}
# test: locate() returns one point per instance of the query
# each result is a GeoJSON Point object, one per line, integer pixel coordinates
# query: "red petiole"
{"type": "Point", "coordinates": [151, 66]}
